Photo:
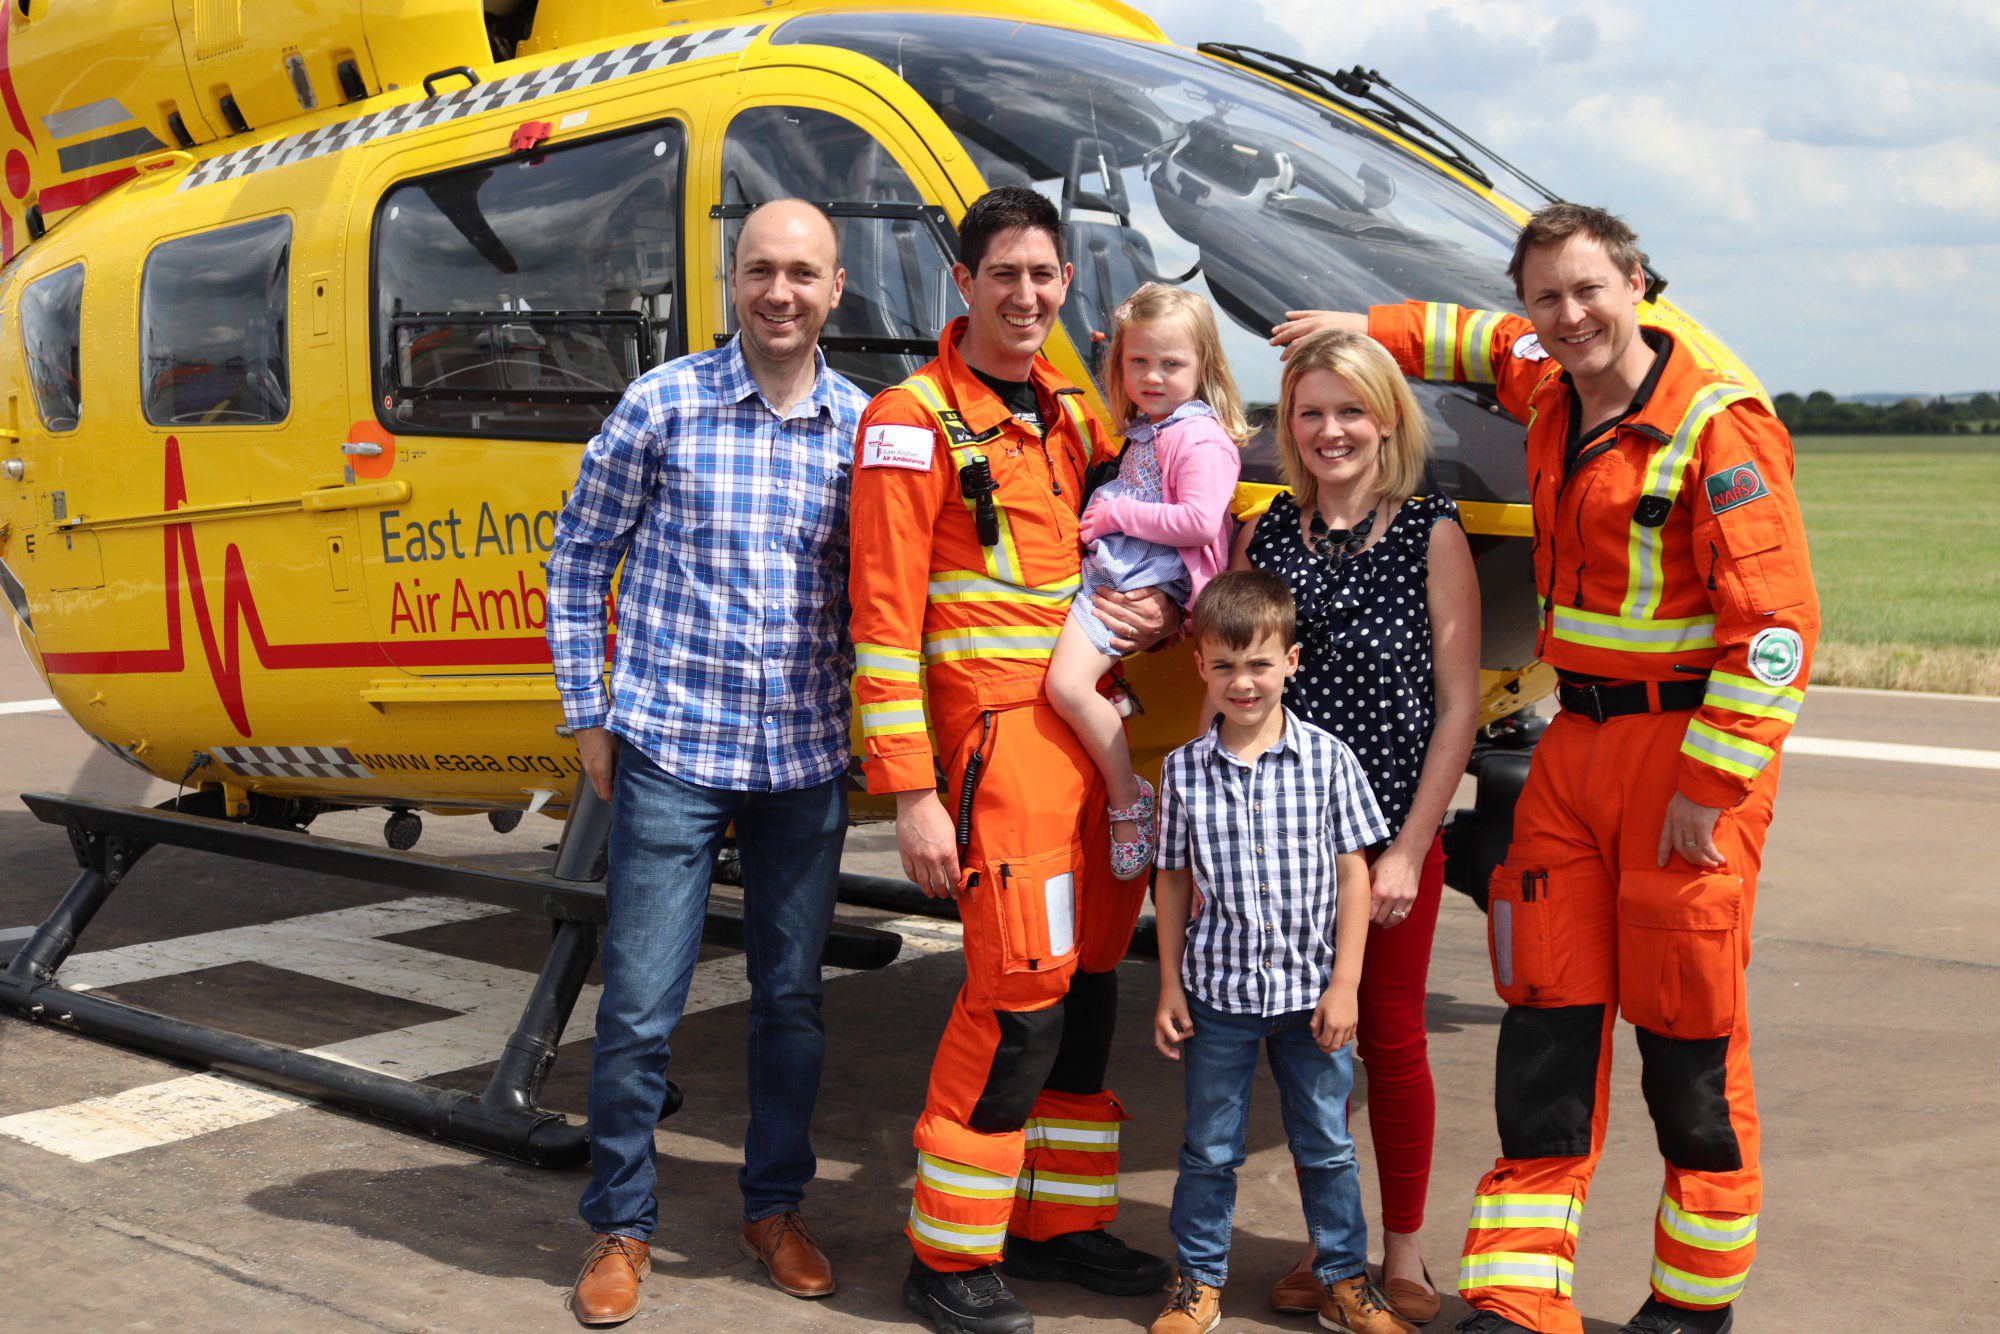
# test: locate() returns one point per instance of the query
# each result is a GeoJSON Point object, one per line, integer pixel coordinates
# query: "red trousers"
{"type": "Point", "coordinates": [1585, 925]}
{"type": "Point", "coordinates": [1402, 1103]}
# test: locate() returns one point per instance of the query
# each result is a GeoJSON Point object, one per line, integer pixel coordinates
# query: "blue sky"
{"type": "Point", "coordinates": [1819, 180]}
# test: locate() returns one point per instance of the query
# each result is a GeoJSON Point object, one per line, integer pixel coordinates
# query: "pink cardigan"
{"type": "Point", "coordinates": [1199, 465]}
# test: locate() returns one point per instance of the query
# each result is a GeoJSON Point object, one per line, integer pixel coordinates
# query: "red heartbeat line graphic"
{"type": "Point", "coordinates": [223, 653]}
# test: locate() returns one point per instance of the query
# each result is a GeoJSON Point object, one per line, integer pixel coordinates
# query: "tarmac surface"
{"type": "Point", "coordinates": [135, 1193]}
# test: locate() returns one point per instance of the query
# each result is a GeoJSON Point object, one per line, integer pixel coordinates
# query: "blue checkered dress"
{"type": "Point", "coordinates": [733, 660]}
{"type": "Point", "coordinates": [1261, 838]}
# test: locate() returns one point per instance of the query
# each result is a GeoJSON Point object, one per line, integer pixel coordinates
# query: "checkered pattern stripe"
{"type": "Point", "coordinates": [292, 762]}
{"type": "Point", "coordinates": [733, 660]}
{"type": "Point", "coordinates": [1261, 838]}
{"type": "Point", "coordinates": [515, 88]}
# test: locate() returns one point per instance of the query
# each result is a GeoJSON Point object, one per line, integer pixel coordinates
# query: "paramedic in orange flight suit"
{"type": "Point", "coordinates": [967, 483]}
{"type": "Point", "coordinates": [1680, 615]}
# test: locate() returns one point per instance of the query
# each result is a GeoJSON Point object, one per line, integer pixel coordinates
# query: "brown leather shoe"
{"type": "Point", "coordinates": [607, 1291]}
{"type": "Point", "coordinates": [1413, 1301]}
{"type": "Point", "coordinates": [797, 1264]}
{"type": "Point", "coordinates": [1357, 1306]}
{"type": "Point", "coordinates": [1194, 1308]}
{"type": "Point", "coordinates": [1297, 1293]}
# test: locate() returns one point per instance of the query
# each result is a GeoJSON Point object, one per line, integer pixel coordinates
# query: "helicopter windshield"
{"type": "Point", "coordinates": [1174, 167]}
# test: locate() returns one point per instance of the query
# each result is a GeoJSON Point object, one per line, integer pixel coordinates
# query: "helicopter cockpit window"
{"type": "Point", "coordinates": [52, 340]}
{"type": "Point", "coordinates": [212, 310]}
{"type": "Point", "coordinates": [1172, 166]}
{"type": "Point", "coordinates": [518, 298]}
{"type": "Point", "coordinates": [896, 248]}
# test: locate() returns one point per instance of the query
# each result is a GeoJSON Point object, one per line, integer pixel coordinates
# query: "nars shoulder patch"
{"type": "Point", "coordinates": [1738, 484]}
{"type": "Point", "coordinates": [908, 447]}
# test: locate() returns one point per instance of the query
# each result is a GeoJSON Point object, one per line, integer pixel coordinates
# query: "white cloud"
{"type": "Point", "coordinates": [1836, 156]}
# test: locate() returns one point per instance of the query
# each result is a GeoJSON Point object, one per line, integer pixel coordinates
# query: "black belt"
{"type": "Point", "coordinates": [1599, 700]}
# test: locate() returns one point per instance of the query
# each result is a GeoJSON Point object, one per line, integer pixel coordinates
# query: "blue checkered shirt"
{"type": "Point", "coordinates": [1261, 837]}
{"type": "Point", "coordinates": [733, 660]}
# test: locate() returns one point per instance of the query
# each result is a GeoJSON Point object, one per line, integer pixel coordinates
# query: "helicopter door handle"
{"type": "Point", "coordinates": [363, 449]}
{"type": "Point", "coordinates": [462, 71]}
{"type": "Point", "coordinates": [13, 469]}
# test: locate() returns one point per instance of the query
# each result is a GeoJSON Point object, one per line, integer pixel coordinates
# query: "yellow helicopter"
{"type": "Point", "coordinates": [308, 308]}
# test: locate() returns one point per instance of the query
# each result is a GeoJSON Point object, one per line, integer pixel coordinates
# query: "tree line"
{"type": "Point", "coordinates": [1820, 413]}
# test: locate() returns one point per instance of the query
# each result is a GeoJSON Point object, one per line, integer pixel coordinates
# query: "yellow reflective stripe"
{"type": "Point", "coordinates": [1475, 346]}
{"type": "Point", "coordinates": [1709, 1234]}
{"type": "Point", "coordinates": [1440, 339]}
{"type": "Point", "coordinates": [928, 394]}
{"type": "Point", "coordinates": [960, 1179]}
{"type": "Point", "coordinates": [956, 1237]}
{"type": "Point", "coordinates": [1073, 408]}
{"type": "Point", "coordinates": [1741, 694]}
{"type": "Point", "coordinates": [879, 662]}
{"type": "Point", "coordinates": [991, 641]}
{"type": "Point", "coordinates": [1063, 1186]}
{"type": "Point", "coordinates": [1686, 1287]}
{"type": "Point", "coordinates": [892, 717]}
{"type": "Point", "coordinates": [1080, 1136]}
{"type": "Point", "coordinates": [1730, 753]}
{"type": "Point", "coordinates": [1550, 1211]}
{"type": "Point", "coordinates": [1632, 633]}
{"type": "Point", "coordinates": [1666, 470]}
{"type": "Point", "coordinates": [1515, 1269]}
{"type": "Point", "coordinates": [1002, 560]}
{"type": "Point", "coordinates": [973, 586]}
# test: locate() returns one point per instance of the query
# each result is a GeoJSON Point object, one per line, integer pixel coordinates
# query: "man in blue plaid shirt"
{"type": "Point", "coordinates": [721, 480]}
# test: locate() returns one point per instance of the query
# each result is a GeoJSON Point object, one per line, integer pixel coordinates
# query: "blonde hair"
{"type": "Point", "coordinates": [1157, 303]}
{"type": "Point", "coordinates": [1374, 375]}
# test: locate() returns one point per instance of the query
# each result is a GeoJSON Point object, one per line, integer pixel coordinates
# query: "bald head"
{"type": "Point", "coordinates": [784, 280]}
{"type": "Point", "coordinates": [787, 217]}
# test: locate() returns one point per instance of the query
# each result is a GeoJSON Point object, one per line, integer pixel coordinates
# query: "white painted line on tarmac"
{"type": "Point", "coordinates": [1949, 757]}
{"type": "Point", "coordinates": [343, 947]}
{"type": "Point", "coordinates": [29, 706]}
{"type": "Point", "coordinates": [1903, 694]}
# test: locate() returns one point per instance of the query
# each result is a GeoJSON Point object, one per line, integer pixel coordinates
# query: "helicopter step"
{"type": "Point", "coordinates": [504, 1119]}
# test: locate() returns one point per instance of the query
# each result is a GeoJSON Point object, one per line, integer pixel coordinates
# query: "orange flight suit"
{"type": "Point", "coordinates": [1018, 1132]}
{"type": "Point", "coordinates": [1670, 552]}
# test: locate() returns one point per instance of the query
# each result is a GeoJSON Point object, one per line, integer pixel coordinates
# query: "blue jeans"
{"type": "Point", "coordinates": [664, 837]}
{"type": "Point", "coordinates": [1221, 1060]}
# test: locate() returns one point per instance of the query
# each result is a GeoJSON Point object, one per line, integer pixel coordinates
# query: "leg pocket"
{"type": "Point", "coordinates": [1680, 971]}
{"type": "Point", "coordinates": [1035, 900]}
{"type": "Point", "coordinates": [1518, 935]}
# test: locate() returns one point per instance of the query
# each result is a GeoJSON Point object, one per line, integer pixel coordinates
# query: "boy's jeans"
{"type": "Point", "coordinates": [664, 837]}
{"type": "Point", "coordinates": [1221, 1060]}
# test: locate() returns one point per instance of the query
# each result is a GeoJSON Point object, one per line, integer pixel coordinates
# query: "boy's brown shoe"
{"type": "Point", "coordinates": [1298, 1292]}
{"type": "Point", "coordinates": [1194, 1308]}
{"type": "Point", "coordinates": [607, 1291]}
{"type": "Point", "coordinates": [1356, 1306]}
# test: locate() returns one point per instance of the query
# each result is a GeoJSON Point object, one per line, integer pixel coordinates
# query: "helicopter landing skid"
{"type": "Point", "coordinates": [505, 1119]}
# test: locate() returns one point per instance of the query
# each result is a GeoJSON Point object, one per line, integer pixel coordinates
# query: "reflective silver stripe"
{"type": "Point", "coordinates": [1550, 1211]}
{"type": "Point", "coordinates": [1655, 636]}
{"type": "Point", "coordinates": [1440, 339]}
{"type": "Point", "coordinates": [964, 586]}
{"type": "Point", "coordinates": [1694, 1288]}
{"type": "Point", "coordinates": [1724, 751]}
{"type": "Point", "coordinates": [1665, 471]}
{"type": "Point", "coordinates": [1042, 1186]}
{"type": "Point", "coordinates": [1476, 348]}
{"type": "Point", "coordinates": [1709, 1234]}
{"type": "Point", "coordinates": [1514, 1269]}
{"type": "Point", "coordinates": [1740, 694]}
{"type": "Point", "coordinates": [994, 641]}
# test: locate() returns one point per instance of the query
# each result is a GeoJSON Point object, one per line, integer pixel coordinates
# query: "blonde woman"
{"type": "Point", "coordinates": [1388, 611]}
{"type": "Point", "coordinates": [1163, 522]}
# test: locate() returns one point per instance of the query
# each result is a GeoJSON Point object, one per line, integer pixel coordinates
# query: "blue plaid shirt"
{"type": "Point", "coordinates": [733, 661]}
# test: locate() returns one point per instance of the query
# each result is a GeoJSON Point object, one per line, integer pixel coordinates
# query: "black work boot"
{"type": "Point", "coordinates": [1491, 1322]}
{"type": "Point", "coordinates": [1658, 1317]}
{"type": "Point", "coordinates": [971, 1301]}
{"type": "Point", "coordinates": [1094, 1259]}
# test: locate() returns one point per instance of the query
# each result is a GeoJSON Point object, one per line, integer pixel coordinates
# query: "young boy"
{"type": "Point", "coordinates": [1264, 815]}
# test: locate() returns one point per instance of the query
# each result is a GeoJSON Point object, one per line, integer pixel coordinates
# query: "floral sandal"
{"type": "Point", "coordinates": [1131, 857]}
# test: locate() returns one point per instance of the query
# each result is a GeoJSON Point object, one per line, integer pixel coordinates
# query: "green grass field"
{"type": "Point", "coordinates": [1905, 534]}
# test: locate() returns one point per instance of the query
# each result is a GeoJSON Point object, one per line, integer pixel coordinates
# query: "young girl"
{"type": "Point", "coordinates": [1163, 522]}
